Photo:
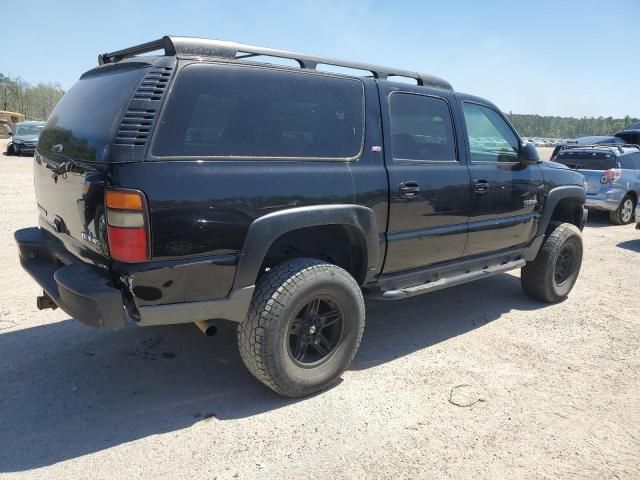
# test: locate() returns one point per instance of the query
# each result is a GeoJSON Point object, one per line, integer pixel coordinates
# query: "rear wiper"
{"type": "Point", "coordinates": [61, 170]}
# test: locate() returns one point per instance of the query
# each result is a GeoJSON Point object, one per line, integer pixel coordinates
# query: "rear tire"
{"type": "Point", "coordinates": [553, 273]}
{"type": "Point", "coordinates": [304, 326]}
{"type": "Point", "coordinates": [624, 214]}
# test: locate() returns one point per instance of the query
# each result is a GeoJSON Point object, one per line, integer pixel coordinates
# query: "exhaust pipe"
{"type": "Point", "coordinates": [44, 301]}
{"type": "Point", "coordinates": [208, 327]}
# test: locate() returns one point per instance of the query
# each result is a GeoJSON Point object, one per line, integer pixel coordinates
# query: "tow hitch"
{"type": "Point", "coordinates": [44, 301]}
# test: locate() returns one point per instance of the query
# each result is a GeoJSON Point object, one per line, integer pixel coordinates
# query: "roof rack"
{"type": "Point", "coordinates": [192, 46]}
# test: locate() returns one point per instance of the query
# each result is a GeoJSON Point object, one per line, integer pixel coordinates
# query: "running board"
{"type": "Point", "coordinates": [446, 282]}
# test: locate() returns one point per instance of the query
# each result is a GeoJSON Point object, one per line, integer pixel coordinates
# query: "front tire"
{"type": "Point", "coordinates": [11, 149]}
{"type": "Point", "coordinates": [623, 215]}
{"type": "Point", "coordinates": [553, 273]}
{"type": "Point", "coordinates": [304, 326]}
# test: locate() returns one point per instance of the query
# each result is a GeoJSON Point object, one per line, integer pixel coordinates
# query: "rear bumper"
{"type": "Point", "coordinates": [83, 291]}
{"type": "Point", "coordinates": [609, 200]}
{"type": "Point", "coordinates": [87, 293]}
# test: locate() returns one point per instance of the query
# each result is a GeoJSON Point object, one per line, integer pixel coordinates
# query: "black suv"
{"type": "Point", "coordinates": [201, 185]}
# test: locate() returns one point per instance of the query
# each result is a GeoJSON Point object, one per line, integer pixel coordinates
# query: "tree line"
{"type": "Point", "coordinates": [35, 102]}
{"type": "Point", "coordinates": [568, 127]}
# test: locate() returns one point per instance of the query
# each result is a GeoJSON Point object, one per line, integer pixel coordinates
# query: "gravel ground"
{"type": "Point", "coordinates": [476, 381]}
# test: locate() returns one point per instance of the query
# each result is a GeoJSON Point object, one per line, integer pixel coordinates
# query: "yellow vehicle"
{"type": "Point", "coordinates": [8, 122]}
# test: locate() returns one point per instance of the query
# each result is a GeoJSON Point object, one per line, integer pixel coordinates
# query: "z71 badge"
{"type": "Point", "coordinates": [532, 202]}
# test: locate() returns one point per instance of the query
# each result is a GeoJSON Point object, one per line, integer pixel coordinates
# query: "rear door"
{"type": "Point", "coordinates": [429, 185]}
{"type": "Point", "coordinates": [506, 204]}
{"type": "Point", "coordinates": [73, 157]}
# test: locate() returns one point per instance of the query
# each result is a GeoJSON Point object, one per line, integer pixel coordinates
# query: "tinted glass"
{"type": "Point", "coordinates": [224, 111]}
{"type": "Point", "coordinates": [421, 128]}
{"type": "Point", "coordinates": [490, 138]}
{"type": "Point", "coordinates": [86, 118]}
{"type": "Point", "coordinates": [587, 160]}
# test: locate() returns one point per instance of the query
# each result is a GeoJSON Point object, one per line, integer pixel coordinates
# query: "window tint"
{"type": "Point", "coordinates": [587, 160]}
{"type": "Point", "coordinates": [227, 111]}
{"type": "Point", "coordinates": [85, 119]}
{"type": "Point", "coordinates": [421, 128]}
{"type": "Point", "coordinates": [490, 138]}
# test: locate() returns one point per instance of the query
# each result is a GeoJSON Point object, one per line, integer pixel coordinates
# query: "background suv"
{"type": "Point", "coordinates": [613, 177]}
{"type": "Point", "coordinates": [25, 139]}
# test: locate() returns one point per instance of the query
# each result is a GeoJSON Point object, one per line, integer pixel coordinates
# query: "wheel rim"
{"type": "Point", "coordinates": [565, 265]}
{"type": "Point", "coordinates": [627, 210]}
{"type": "Point", "coordinates": [315, 332]}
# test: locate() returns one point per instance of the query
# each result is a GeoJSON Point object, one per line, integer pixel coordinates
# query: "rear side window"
{"type": "Point", "coordinates": [86, 118]}
{"type": "Point", "coordinates": [421, 128]}
{"type": "Point", "coordinates": [587, 160]}
{"type": "Point", "coordinates": [231, 111]}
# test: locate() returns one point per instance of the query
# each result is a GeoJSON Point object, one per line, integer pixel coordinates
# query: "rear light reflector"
{"type": "Point", "coordinates": [127, 225]}
{"type": "Point", "coordinates": [611, 175]}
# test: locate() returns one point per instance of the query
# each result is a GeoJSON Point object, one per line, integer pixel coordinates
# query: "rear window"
{"type": "Point", "coordinates": [86, 118]}
{"type": "Point", "coordinates": [587, 160]}
{"type": "Point", "coordinates": [231, 111]}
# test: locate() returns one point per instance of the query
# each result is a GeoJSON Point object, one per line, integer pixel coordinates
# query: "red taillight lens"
{"type": "Point", "coordinates": [611, 175]}
{"type": "Point", "coordinates": [127, 225]}
{"type": "Point", "coordinates": [128, 244]}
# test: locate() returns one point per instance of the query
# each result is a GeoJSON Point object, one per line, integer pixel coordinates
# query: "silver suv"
{"type": "Point", "coordinates": [612, 174]}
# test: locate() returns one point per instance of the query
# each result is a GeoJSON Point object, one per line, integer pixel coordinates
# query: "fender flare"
{"type": "Point", "coordinates": [267, 229]}
{"type": "Point", "coordinates": [554, 197]}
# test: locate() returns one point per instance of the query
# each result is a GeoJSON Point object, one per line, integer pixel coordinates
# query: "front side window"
{"type": "Point", "coordinates": [489, 135]}
{"type": "Point", "coordinates": [421, 128]}
{"type": "Point", "coordinates": [231, 111]}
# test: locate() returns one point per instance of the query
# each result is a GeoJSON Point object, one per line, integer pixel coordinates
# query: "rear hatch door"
{"type": "Point", "coordinates": [74, 158]}
{"type": "Point", "coordinates": [591, 163]}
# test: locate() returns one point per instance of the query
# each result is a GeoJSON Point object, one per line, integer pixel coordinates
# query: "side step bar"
{"type": "Point", "coordinates": [451, 281]}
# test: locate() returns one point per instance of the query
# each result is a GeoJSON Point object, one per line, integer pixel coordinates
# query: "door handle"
{"type": "Point", "coordinates": [480, 186]}
{"type": "Point", "coordinates": [409, 189]}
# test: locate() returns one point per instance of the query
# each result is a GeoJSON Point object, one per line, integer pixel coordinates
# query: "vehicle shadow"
{"type": "Point", "coordinates": [633, 245]}
{"type": "Point", "coordinates": [598, 219]}
{"type": "Point", "coordinates": [67, 390]}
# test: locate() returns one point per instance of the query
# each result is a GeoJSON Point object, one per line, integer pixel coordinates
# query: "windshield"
{"type": "Point", "coordinates": [581, 160]}
{"type": "Point", "coordinates": [29, 129]}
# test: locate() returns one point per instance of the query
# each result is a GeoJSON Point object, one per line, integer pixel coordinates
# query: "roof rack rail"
{"type": "Point", "coordinates": [236, 51]}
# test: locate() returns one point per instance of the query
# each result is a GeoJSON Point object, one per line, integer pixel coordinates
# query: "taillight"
{"type": "Point", "coordinates": [127, 225]}
{"type": "Point", "coordinates": [611, 175]}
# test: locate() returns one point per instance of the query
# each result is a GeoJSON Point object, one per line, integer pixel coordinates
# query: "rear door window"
{"type": "Point", "coordinates": [587, 160]}
{"type": "Point", "coordinates": [253, 112]}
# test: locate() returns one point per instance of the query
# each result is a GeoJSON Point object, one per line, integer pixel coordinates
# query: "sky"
{"type": "Point", "coordinates": [567, 58]}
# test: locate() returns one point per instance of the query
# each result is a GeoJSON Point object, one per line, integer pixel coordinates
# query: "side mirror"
{"type": "Point", "coordinates": [11, 134]}
{"type": "Point", "coordinates": [528, 154]}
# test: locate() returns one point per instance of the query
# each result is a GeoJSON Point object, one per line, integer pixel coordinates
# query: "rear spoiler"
{"type": "Point", "coordinates": [603, 146]}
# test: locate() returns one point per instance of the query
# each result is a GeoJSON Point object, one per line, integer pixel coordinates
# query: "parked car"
{"type": "Point", "coordinates": [202, 185]}
{"type": "Point", "coordinates": [591, 140]}
{"type": "Point", "coordinates": [613, 177]}
{"type": "Point", "coordinates": [25, 138]}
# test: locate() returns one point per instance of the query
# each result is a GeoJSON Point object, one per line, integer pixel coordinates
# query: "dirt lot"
{"type": "Point", "coordinates": [476, 381]}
